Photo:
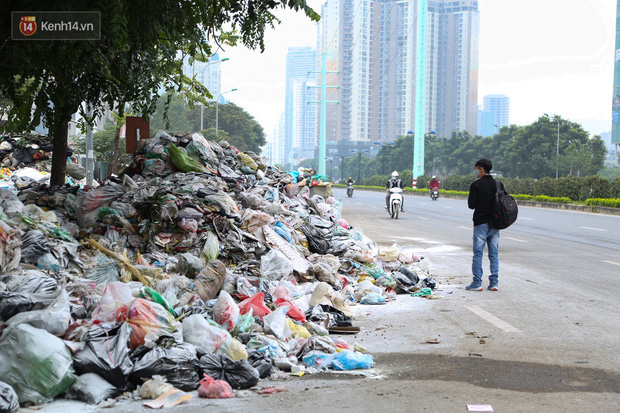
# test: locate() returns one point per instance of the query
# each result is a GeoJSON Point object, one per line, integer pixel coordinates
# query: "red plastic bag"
{"type": "Point", "coordinates": [214, 389]}
{"type": "Point", "coordinates": [257, 304]}
{"type": "Point", "coordinates": [293, 310]}
{"type": "Point", "coordinates": [225, 311]}
{"type": "Point", "coordinates": [147, 317]}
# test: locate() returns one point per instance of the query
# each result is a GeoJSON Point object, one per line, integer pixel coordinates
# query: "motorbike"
{"type": "Point", "coordinates": [434, 193]}
{"type": "Point", "coordinates": [396, 200]}
{"type": "Point", "coordinates": [350, 188]}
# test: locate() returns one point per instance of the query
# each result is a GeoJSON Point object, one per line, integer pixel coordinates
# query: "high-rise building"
{"type": "Point", "coordinates": [486, 122]}
{"type": "Point", "coordinates": [300, 114]}
{"type": "Point", "coordinates": [499, 105]}
{"type": "Point", "coordinates": [207, 73]}
{"type": "Point", "coordinates": [376, 56]}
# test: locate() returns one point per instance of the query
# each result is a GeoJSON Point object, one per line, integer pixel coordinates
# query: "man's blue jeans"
{"type": "Point", "coordinates": [483, 235]}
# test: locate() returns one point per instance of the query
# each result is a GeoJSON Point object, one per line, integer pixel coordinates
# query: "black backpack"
{"type": "Point", "coordinates": [505, 210]}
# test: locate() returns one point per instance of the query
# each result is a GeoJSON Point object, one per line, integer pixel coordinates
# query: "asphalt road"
{"type": "Point", "coordinates": [548, 341]}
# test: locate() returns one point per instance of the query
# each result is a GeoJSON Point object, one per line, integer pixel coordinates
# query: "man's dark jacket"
{"type": "Point", "coordinates": [482, 198]}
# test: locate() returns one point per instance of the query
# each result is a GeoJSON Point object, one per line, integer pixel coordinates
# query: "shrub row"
{"type": "Point", "coordinates": [611, 203]}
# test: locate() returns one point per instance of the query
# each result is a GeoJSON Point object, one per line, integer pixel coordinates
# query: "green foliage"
{"type": "Point", "coordinates": [103, 145]}
{"type": "Point", "coordinates": [610, 172]}
{"type": "Point", "coordinates": [610, 203]}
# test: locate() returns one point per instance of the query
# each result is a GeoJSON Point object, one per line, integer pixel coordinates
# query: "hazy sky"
{"type": "Point", "coordinates": [553, 56]}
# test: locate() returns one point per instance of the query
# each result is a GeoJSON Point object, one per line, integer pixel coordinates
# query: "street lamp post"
{"type": "Point", "coordinates": [359, 163]}
{"type": "Point", "coordinates": [202, 106]}
{"type": "Point", "coordinates": [383, 145]}
{"type": "Point", "coordinates": [557, 148]}
{"type": "Point", "coordinates": [217, 107]}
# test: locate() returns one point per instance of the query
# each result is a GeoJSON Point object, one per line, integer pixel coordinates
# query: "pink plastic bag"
{"type": "Point", "coordinates": [340, 343]}
{"type": "Point", "coordinates": [281, 292]}
{"type": "Point", "coordinates": [214, 389]}
{"type": "Point", "coordinates": [226, 311]}
{"type": "Point", "coordinates": [294, 311]}
{"type": "Point", "coordinates": [256, 303]}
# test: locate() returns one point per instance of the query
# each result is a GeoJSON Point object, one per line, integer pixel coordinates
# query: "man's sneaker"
{"type": "Point", "coordinates": [386, 207]}
{"type": "Point", "coordinates": [493, 288]}
{"type": "Point", "coordinates": [473, 287]}
{"type": "Point", "coordinates": [402, 210]}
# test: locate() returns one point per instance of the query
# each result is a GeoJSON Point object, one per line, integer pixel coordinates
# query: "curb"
{"type": "Point", "coordinates": [535, 204]}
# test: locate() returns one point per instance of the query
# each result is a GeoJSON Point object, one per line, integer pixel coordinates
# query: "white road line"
{"type": "Point", "coordinates": [422, 218]}
{"type": "Point", "coordinates": [611, 262]}
{"type": "Point", "coordinates": [527, 219]}
{"type": "Point", "coordinates": [485, 315]}
{"type": "Point", "coordinates": [594, 229]}
{"type": "Point", "coordinates": [514, 239]}
{"type": "Point", "coordinates": [469, 228]}
{"type": "Point", "coordinates": [447, 207]}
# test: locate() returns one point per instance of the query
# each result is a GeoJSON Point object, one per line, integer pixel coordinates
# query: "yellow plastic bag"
{"type": "Point", "coordinates": [298, 330]}
{"type": "Point", "coordinates": [233, 348]}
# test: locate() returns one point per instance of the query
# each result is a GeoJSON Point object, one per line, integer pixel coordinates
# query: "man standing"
{"type": "Point", "coordinates": [394, 182]}
{"type": "Point", "coordinates": [481, 200]}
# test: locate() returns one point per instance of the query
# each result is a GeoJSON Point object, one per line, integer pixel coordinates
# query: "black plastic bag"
{"type": "Point", "coordinates": [317, 241]}
{"type": "Point", "coordinates": [336, 317]}
{"type": "Point", "coordinates": [339, 245]}
{"type": "Point", "coordinates": [92, 389]}
{"type": "Point", "coordinates": [32, 282]}
{"type": "Point", "coordinates": [404, 284]}
{"type": "Point", "coordinates": [108, 357]}
{"type": "Point", "coordinates": [15, 303]}
{"type": "Point", "coordinates": [34, 244]}
{"type": "Point", "coordinates": [9, 403]}
{"type": "Point", "coordinates": [429, 282]}
{"type": "Point", "coordinates": [239, 374]}
{"type": "Point", "coordinates": [260, 362]}
{"type": "Point", "coordinates": [178, 364]}
{"type": "Point", "coordinates": [410, 274]}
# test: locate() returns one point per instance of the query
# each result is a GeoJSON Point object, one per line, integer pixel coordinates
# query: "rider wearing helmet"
{"type": "Point", "coordinates": [394, 182]}
{"type": "Point", "coordinates": [434, 183]}
{"type": "Point", "coordinates": [350, 181]}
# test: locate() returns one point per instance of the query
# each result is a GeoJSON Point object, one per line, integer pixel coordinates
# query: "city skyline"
{"type": "Point", "coordinates": [563, 68]}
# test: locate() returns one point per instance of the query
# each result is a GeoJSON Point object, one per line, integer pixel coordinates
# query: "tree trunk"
{"type": "Point", "coordinates": [117, 136]}
{"type": "Point", "coordinates": [59, 156]}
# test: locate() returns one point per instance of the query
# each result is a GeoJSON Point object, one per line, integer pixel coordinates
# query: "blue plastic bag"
{"type": "Point", "coordinates": [283, 231]}
{"type": "Point", "coordinates": [350, 360]}
{"type": "Point", "coordinates": [373, 299]}
{"type": "Point", "coordinates": [318, 359]}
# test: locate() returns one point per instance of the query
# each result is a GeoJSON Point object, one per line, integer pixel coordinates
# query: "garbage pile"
{"type": "Point", "coordinates": [200, 267]}
{"type": "Point", "coordinates": [25, 161]}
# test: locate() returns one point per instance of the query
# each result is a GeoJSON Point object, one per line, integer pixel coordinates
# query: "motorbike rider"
{"type": "Point", "coordinates": [434, 184]}
{"type": "Point", "coordinates": [350, 181]}
{"type": "Point", "coordinates": [394, 182]}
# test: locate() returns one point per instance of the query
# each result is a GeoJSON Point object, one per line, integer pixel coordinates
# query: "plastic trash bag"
{"type": "Point", "coordinates": [261, 362]}
{"type": "Point", "coordinates": [214, 389]}
{"type": "Point", "coordinates": [319, 244]}
{"type": "Point", "coordinates": [373, 299]}
{"type": "Point", "coordinates": [387, 281]}
{"type": "Point", "coordinates": [75, 171]}
{"type": "Point", "coordinates": [155, 387]}
{"type": "Point", "coordinates": [9, 402]}
{"type": "Point", "coordinates": [183, 161]}
{"type": "Point", "coordinates": [54, 319]}
{"type": "Point", "coordinates": [16, 303]}
{"type": "Point", "coordinates": [198, 331]}
{"type": "Point", "coordinates": [294, 311]}
{"type": "Point", "coordinates": [92, 389]}
{"type": "Point", "coordinates": [189, 265]}
{"type": "Point", "coordinates": [389, 253]}
{"type": "Point", "coordinates": [107, 356]}
{"type": "Point", "coordinates": [107, 270]}
{"type": "Point", "coordinates": [255, 304]}
{"type": "Point", "coordinates": [113, 304]}
{"type": "Point", "coordinates": [282, 230]}
{"type": "Point", "coordinates": [225, 311]}
{"type": "Point", "coordinates": [274, 266]}
{"type": "Point", "coordinates": [211, 249]}
{"type": "Point", "coordinates": [276, 324]}
{"type": "Point", "coordinates": [31, 282]}
{"type": "Point", "coordinates": [148, 318]}
{"type": "Point", "coordinates": [423, 292]}
{"type": "Point", "coordinates": [233, 349]}
{"type": "Point", "coordinates": [267, 346]}
{"type": "Point", "coordinates": [350, 360]}
{"type": "Point", "coordinates": [410, 274]}
{"type": "Point", "coordinates": [429, 282]}
{"type": "Point", "coordinates": [35, 363]}
{"type": "Point", "coordinates": [210, 280]}
{"type": "Point", "coordinates": [88, 204]}
{"type": "Point", "coordinates": [34, 245]}
{"type": "Point", "coordinates": [244, 323]}
{"type": "Point", "coordinates": [297, 330]}
{"type": "Point", "coordinates": [239, 374]}
{"type": "Point", "coordinates": [178, 364]}
{"type": "Point", "coordinates": [318, 359]}
{"type": "Point", "coordinates": [247, 161]}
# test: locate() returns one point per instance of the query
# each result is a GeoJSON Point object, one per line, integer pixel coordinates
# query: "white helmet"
{"type": "Point", "coordinates": [395, 174]}
{"type": "Point", "coordinates": [434, 177]}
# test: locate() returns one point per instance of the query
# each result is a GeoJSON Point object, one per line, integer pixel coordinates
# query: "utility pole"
{"type": "Point", "coordinates": [420, 92]}
{"type": "Point", "coordinates": [323, 102]}
{"type": "Point", "coordinates": [90, 155]}
{"type": "Point", "coordinates": [615, 125]}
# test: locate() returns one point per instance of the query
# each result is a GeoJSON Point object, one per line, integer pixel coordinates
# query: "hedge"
{"type": "Point", "coordinates": [605, 202]}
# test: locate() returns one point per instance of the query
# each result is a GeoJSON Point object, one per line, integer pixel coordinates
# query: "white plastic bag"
{"type": "Point", "coordinates": [198, 331]}
{"type": "Point", "coordinates": [226, 311]}
{"type": "Point", "coordinates": [54, 319]}
{"type": "Point", "coordinates": [276, 324]}
{"type": "Point", "coordinates": [275, 266]}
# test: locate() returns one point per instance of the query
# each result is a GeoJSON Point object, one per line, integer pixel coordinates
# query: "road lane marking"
{"type": "Point", "coordinates": [594, 229]}
{"type": "Point", "coordinates": [527, 219]}
{"type": "Point", "coordinates": [485, 315]}
{"type": "Point", "coordinates": [611, 262]}
{"type": "Point", "coordinates": [514, 239]}
{"type": "Point", "coordinates": [422, 218]}
{"type": "Point", "coordinates": [468, 228]}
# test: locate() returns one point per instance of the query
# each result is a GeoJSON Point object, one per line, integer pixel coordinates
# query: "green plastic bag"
{"type": "Point", "coordinates": [103, 211]}
{"type": "Point", "coordinates": [423, 292]}
{"type": "Point", "coordinates": [157, 298]}
{"type": "Point", "coordinates": [184, 162]}
{"type": "Point", "coordinates": [211, 250]}
{"type": "Point", "coordinates": [244, 323]}
{"type": "Point", "coordinates": [247, 161]}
